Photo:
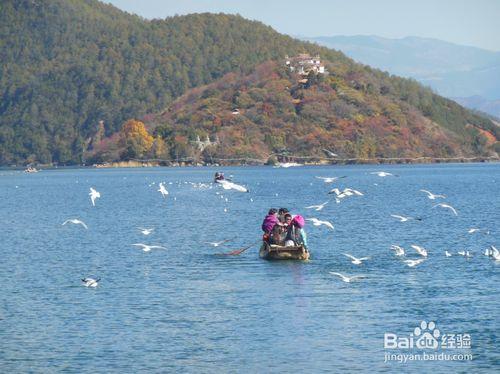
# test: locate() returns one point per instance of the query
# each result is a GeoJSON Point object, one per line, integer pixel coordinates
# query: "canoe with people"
{"type": "Point", "coordinates": [284, 236]}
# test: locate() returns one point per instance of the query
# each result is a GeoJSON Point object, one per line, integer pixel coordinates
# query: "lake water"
{"type": "Point", "coordinates": [186, 309]}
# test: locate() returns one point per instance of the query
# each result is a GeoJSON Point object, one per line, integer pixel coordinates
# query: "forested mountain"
{"type": "Point", "coordinates": [67, 65]}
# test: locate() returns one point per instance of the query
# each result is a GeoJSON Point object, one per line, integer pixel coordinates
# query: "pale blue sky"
{"type": "Point", "coordinates": [467, 22]}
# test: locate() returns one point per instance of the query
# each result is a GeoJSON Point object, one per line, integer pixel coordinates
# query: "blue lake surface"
{"type": "Point", "coordinates": [187, 309]}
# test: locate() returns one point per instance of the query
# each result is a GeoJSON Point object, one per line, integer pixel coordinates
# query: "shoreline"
{"type": "Point", "coordinates": [253, 162]}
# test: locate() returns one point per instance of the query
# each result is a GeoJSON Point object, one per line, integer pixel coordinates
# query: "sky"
{"type": "Point", "coordinates": [466, 22]}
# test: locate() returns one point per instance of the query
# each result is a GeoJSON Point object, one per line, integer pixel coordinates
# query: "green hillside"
{"type": "Point", "coordinates": [69, 64]}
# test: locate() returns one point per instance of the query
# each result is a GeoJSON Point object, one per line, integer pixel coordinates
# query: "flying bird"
{"type": "Point", "coordinates": [356, 261]}
{"type": "Point", "coordinates": [216, 244]}
{"type": "Point", "coordinates": [232, 186]}
{"type": "Point", "coordinates": [145, 231]}
{"type": "Point", "coordinates": [398, 251]}
{"type": "Point", "coordinates": [446, 206]}
{"type": "Point", "coordinates": [404, 219]}
{"type": "Point", "coordinates": [147, 248]}
{"type": "Point", "coordinates": [317, 222]}
{"type": "Point", "coordinates": [76, 222]}
{"type": "Point", "coordinates": [330, 179]}
{"type": "Point", "coordinates": [495, 254]}
{"type": "Point", "coordinates": [383, 174]}
{"type": "Point", "coordinates": [94, 195]}
{"type": "Point", "coordinates": [432, 196]}
{"type": "Point", "coordinates": [413, 263]}
{"type": "Point", "coordinates": [420, 250]}
{"type": "Point", "coordinates": [330, 153]}
{"type": "Point", "coordinates": [347, 279]}
{"type": "Point", "coordinates": [466, 254]}
{"type": "Point", "coordinates": [317, 207]}
{"type": "Point", "coordinates": [89, 282]}
{"type": "Point", "coordinates": [162, 190]}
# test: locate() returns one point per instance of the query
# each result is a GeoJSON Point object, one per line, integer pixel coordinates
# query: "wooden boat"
{"type": "Point", "coordinates": [278, 252]}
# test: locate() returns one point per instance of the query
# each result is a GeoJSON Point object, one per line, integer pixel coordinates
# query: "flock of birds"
{"type": "Point", "coordinates": [94, 195]}
{"type": "Point", "coordinates": [339, 195]}
{"type": "Point", "coordinates": [491, 252]}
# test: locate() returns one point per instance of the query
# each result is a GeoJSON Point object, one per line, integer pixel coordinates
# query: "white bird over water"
{"type": "Point", "coordinates": [447, 254]}
{"type": "Point", "coordinates": [216, 244]}
{"type": "Point", "coordinates": [466, 254]}
{"type": "Point", "coordinates": [317, 222]}
{"type": "Point", "coordinates": [330, 179]}
{"type": "Point", "coordinates": [94, 195]}
{"type": "Point", "coordinates": [317, 207]}
{"type": "Point", "coordinates": [398, 251]}
{"type": "Point", "coordinates": [420, 250]}
{"type": "Point", "coordinates": [147, 248]}
{"type": "Point", "coordinates": [432, 196]}
{"type": "Point", "coordinates": [347, 279]}
{"type": "Point", "coordinates": [145, 231]}
{"type": "Point", "coordinates": [446, 206]}
{"type": "Point", "coordinates": [495, 253]}
{"type": "Point", "coordinates": [227, 185]}
{"type": "Point", "coordinates": [162, 190]}
{"type": "Point", "coordinates": [403, 218]}
{"type": "Point", "coordinates": [89, 282]}
{"type": "Point", "coordinates": [76, 222]}
{"type": "Point", "coordinates": [356, 261]}
{"type": "Point", "coordinates": [383, 174]}
{"type": "Point", "coordinates": [413, 263]}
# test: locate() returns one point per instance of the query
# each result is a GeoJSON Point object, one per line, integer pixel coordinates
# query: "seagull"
{"type": "Point", "coordinates": [147, 248]}
{"type": "Point", "coordinates": [473, 230]}
{"type": "Point", "coordinates": [421, 251]}
{"type": "Point", "coordinates": [317, 222]}
{"type": "Point", "coordinates": [447, 254]}
{"type": "Point", "coordinates": [404, 219]}
{"type": "Point", "coordinates": [230, 185]}
{"type": "Point", "coordinates": [317, 207]}
{"type": "Point", "coordinates": [94, 195]}
{"type": "Point", "coordinates": [89, 282]}
{"type": "Point", "coordinates": [216, 244]}
{"type": "Point", "coordinates": [432, 196]}
{"type": "Point", "coordinates": [412, 263]}
{"type": "Point", "coordinates": [447, 207]}
{"type": "Point", "coordinates": [346, 278]}
{"type": "Point", "coordinates": [466, 254]}
{"type": "Point", "coordinates": [162, 190]}
{"type": "Point", "coordinates": [356, 261]}
{"type": "Point", "coordinates": [398, 250]}
{"type": "Point", "coordinates": [345, 193]}
{"type": "Point", "coordinates": [145, 231]}
{"type": "Point", "coordinates": [76, 222]}
{"type": "Point", "coordinates": [495, 253]}
{"type": "Point", "coordinates": [383, 174]}
{"type": "Point", "coordinates": [330, 179]}
{"type": "Point", "coordinates": [330, 153]}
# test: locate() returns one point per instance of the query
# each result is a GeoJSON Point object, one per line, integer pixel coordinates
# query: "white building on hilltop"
{"type": "Point", "coordinates": [303, 64]}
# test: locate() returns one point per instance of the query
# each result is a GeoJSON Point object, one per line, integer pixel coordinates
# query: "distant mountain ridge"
{"type": "Point", "coordinates": [452, 70]}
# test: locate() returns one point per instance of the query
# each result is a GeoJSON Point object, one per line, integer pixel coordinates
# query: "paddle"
{"type": "Point", "coordinates": [238, 252]}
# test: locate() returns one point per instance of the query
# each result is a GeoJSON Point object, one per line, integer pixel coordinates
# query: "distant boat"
{"type": "Point", "coordinates": [287, 164]}
{"type": "Point", "coordinates": [31, 169]}
{"type": "Point", "coordinates": [277, 252]}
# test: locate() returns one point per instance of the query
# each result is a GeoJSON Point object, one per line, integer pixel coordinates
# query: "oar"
{"type": "Point", "coordinates": [238, 252]}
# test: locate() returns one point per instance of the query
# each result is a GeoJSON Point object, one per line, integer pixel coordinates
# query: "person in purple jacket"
{"type": "Point", "coordinates": [270, 221]}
